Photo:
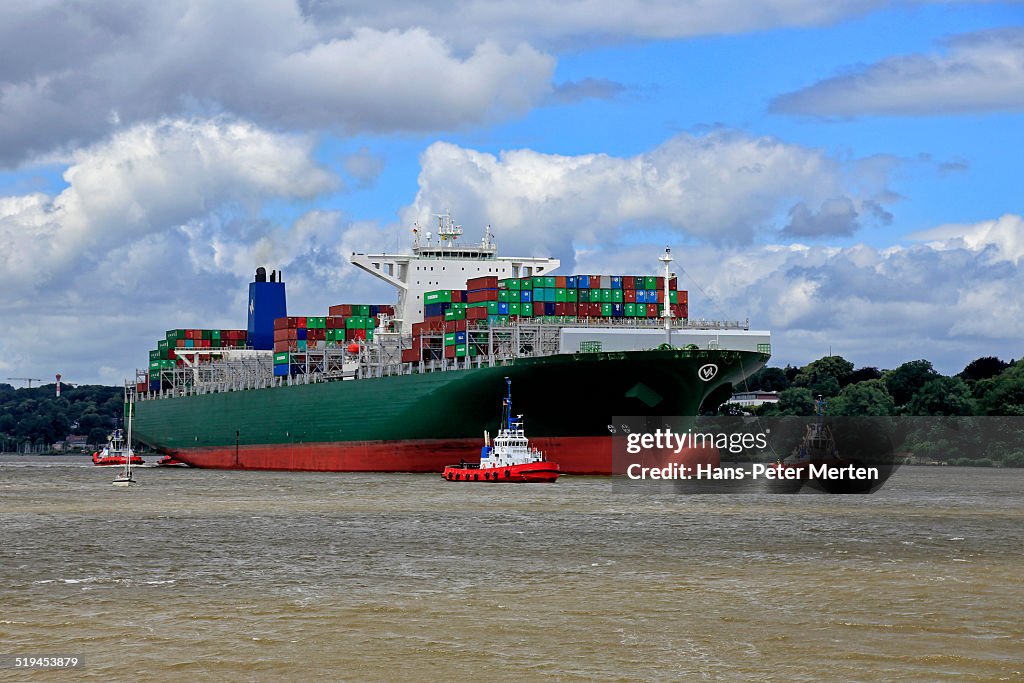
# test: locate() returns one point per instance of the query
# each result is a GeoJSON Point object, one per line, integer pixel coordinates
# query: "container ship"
{"type": "Point", "coordinates": [411, 387]}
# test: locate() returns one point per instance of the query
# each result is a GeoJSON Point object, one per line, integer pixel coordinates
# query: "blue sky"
{"type": "Point", "coordinates": [845, 174]}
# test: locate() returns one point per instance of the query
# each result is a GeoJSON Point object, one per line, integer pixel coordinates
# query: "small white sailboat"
{"type": "Point", "coordinates": [125, 478]}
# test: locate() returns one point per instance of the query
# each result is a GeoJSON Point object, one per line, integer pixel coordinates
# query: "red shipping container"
{"type": "Point", "coordinates": [203, 343]}
{"type": "Point", "coordinates": [652, 310]}
{"type": "Point", "coordinates": [478, 313]}
{"type": "Point", "coordinates": [449, 352]}
{"type": "Point", "coordinates": [570, 308]}
{"type": "Point", "coordinates": [454, 325]}
{"type": "Point", "coordinates": [171, 355]}
{"type": "Point", "coordinates": [410, 355]}
{"type": "Point", "coordinates": [301, 322]}
{"type": "Point", "coordinates": [482, 295]}
{"type": "Point", "coordinates": [560, 308]}
{"type": "Point", "coordinates": [661, 283]}
{"type": "Point", "coordinates": [538, 308]}
{"type": "Point", "coordinates": [180, 343]}
{"type": "Point", "coordinates": [595, 282]}
{"type": "Point", "coordinates": [673, 284]}
{"type": "Point", "coordinates": [388, 310]}
{"type": "Point", "coordinates": [141, 387]}
{"type": "Point", "coordinates": [340, 310]}
{"type": "Point", "coordinates": [418, 329]}
{"type": "Point", "coordinates": [629, 296]}
{"type": "Point", "coordinates": [359, 334]}
{"type": "Point", "coordinates": [629, 283]}
{"type": "Point", "coordinates": [661, 296]}
{"type": "Point", "coordinates": [280, 323]}
{"type": "Point", "coordinates": [485, 282]}
{"type": "Point", "coordinates": [684, 296]}
{"type": "Point", "coordinates": [561, 282]}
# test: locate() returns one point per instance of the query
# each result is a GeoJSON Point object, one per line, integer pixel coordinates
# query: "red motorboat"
{"type": "Point", "coordinates": [510, 459]}
{"type": "Point", "coordinates": [170, 461]}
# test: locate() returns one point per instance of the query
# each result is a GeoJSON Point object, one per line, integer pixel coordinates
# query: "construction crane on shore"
{"type": "Point", "coordinates": [26, 379]}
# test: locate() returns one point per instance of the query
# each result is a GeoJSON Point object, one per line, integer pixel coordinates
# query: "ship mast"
{"type": "Point", "coordinates": [666, 312]}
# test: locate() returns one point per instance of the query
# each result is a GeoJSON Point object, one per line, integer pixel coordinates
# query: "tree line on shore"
{"type": "Point", "coordinates": [986, 387]}
{"type": "Point", "coordinates": [33, 419]}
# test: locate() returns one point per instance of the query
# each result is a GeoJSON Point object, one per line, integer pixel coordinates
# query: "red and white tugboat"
{"type": "Point", "coordinates": [510, 459]}
{"type": "Point", "coordinates": [116, 453]}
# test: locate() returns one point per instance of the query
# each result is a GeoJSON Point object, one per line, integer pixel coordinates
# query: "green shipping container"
{"type": "Point", "coordinates": [175, 335]}
{"type": "Point", "coordinates": [630, 310]}
{"type": "Point", "coordinates": [606, 296]}
{"type": "Point", "coordinates": [616, 296]}
{"type": "Point", "coordinates": [515, 307]}
{"type": "Point", "coordinates": [167, 365]}
{"type": "Point", "coordinates": [584, 295]}
{"type": "Point", "coordinates": [162, 345]}
{"type": "Point", "coordinates": [673, 296]}
{"type": "Point", "coordinates": [449, 339]}
{"type": "Point", "coordinates": [438, 296]}
{"type": "Point", "coordinates": [281, 358]}
{"type": "Point", "coordinates": [460, 351]}
{"type": "Point", "coordinates": [525, 283]}
{"type": "Point", "coordinates": [204, 334]}
{"type": "Point", "coordinates": [650, 282]}
{"type": "Point", "coordinates": [214, 334]}
{"type": "Point", "coordinates": [537, 282]}
{"type": "Point", "coordinates": [606, 310]}
{"type": "Point", "coordinates": [154, 366]}
{"type": "Point", "coordinates": [511, 284]}
{"type": "Point", "coordinates": [560, 296]}
{"type": "Point", "coordinates": [504, 295]}
{"type": "Point", "coordinates": [525, 310]}
{"type": "Point", "coordinates": [364, 309]}
{"type": "Point", "coordinates": [549, 282]}
{"type": "Point", "coordinates": [154, 355]}
{"type": "Point", "coordinates": [354, 323]}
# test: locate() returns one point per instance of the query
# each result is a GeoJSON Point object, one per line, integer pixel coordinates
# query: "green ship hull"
{"type": "Point", "coordinates": [421, 422]}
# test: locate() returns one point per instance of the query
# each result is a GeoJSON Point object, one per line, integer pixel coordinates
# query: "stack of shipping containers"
{"type": "Point", "coordinates": [164, 356]}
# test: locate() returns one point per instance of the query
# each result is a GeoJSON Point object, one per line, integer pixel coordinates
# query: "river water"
{"type": "Point", "coordinates": [199, 575]}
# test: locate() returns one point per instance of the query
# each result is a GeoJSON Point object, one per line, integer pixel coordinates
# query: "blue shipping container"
{"type": "Point", "coordinates": [281, 370]}
{"type": "Point", "coordinates": [616, 282]}
{"type": "Point", "coordinates": [526, 296]}
{"type": "Point", "coordinates": [652, 296]}
{"type": "Point", "coordinates": [549, 308]}
{"type": "Point", "coordinates": [618, 310]}
{"type": "Point", "coordinates": [154, 385]}
{"type": "Point", "coordinates": [460, 337]}
{"type": "Point", "coordinates": [434, 310]}
{"type": "Point", "coordinates": [502, 308]}
{"type": "Point", "coordinates": [570, 282]}
{"type": "Point", "coordinates": [301, 333]}
{"type": "Point", "coordinates": [641, 296]}
{"type": "Point", "coordinates": [583, 281]}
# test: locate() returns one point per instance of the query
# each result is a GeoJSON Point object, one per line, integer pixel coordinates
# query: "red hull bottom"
{"type": "Point", "coordinates": [529, 472]}
{"type": "Point", "coordinates": [574, 454]}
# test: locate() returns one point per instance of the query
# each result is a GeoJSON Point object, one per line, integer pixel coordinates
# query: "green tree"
{"type": "Point", "coordinates": [765, 379]}
{"type": "Point", "coordinates": [941, 396]}
{"type": "Point", "coordinates": [795, 401]}
{"type": "Point", "coordinates": [863, 398]}
{"type": "Point", "coordinates": [824, 376]}
{"type": "Point", "coordinates": [983, 368]}
{"type": "Point", "coordinates": [1002, 394]}
{"type": "Point", "coordinates": [906, 380]}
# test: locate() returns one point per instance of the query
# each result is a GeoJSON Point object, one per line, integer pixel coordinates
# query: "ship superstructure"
{"type": "Point", "coordinates": [439, 261]}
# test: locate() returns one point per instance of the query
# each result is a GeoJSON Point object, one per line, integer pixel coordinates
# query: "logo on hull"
{"type": "Point", "coordinates": [707, 372]}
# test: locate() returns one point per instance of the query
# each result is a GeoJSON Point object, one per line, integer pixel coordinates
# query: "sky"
{"type": "Point", "coordinates": [845, 174]}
